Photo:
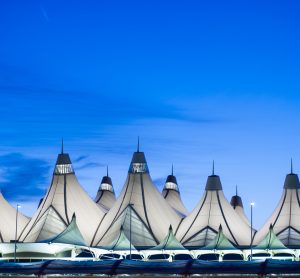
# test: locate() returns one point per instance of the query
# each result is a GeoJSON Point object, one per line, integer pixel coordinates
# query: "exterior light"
{"type": "Point", "coordinates": [16, 234]}
{"type": "Point", "coordinates": [251, 240]}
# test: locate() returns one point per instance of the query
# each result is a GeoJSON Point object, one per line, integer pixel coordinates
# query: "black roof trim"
{"type": "Point", "coordinates": [63, 158]}
{"type": "Point", "coordinates": [213, 183]}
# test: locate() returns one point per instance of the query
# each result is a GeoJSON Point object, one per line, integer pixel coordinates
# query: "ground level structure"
{"type": "Point", "coordinates": [161, 269]}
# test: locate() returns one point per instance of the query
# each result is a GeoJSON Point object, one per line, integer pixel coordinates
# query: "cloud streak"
{"type": "Point", "coordinates": [23, 177]}
{"type": "Point", "coordinates": [44, 13]}
{"type": "Point", "coordinates": [80, 158]}
{"type": "Point", "coordinates": [89, 165]}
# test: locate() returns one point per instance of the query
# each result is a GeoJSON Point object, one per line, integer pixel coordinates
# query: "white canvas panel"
{"type": "Point", "coordinates": [66, 196]}
{"type": "Point", "coordinates": [286, 215]}
{"type": "Point", "coordinates": [105, 199]}
{"type": "Point", "coordinates": [8, 216]}
{"type": "Point", "coordinates": [174, 200]}
{"type": "Point", "coordinates": [212, 211]}
{"type": "Point", "coordinates": [202, 238]}
{"type": "Point", "coordinates": [147, 202]}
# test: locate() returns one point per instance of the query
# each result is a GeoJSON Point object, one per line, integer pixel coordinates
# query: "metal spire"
{"type": "Point", "coordinates": [62, 145]}
{"type": "Point", "coordinates": [236, 191]}
{"type": "Point", "coordinates": [291, 165]}
{"type": "Point", "coordinates": [107, 170]}
{"type": "Point", "coordinates": [172, 170]}
{"type": "Point", "coordinates": [138, 144]}
{"type": "Point", "coordinates": [213, 168]}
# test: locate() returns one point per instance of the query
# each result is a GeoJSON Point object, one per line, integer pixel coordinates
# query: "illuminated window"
{"type": "Point", "coordinates": [139, 168]}
{"type": "Point", "coordinates": [63, 169]}
{"type": "Point", "coordinates": [171, 185]}
{"type": "Point", "coordinates": [107, 186]}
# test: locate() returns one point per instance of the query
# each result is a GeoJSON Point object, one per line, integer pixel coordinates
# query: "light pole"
{"type": "Point", "coordinates": [251, 219]}
{"type": "Point", "coordinates": [131, 205]}
{"type": "Point", "coordinates": [16, 234]}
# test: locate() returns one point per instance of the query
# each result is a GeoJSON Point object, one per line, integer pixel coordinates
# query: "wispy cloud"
{"type": "Point", "coordinates": [89, 165]}
{"type": "Point", "coordinates": [80, 158]}
{"type": "Point", "coordinates": [83, 162]}
{"type": "Point", "coordinates": [23, 177]}
{"type": "Point", "coordinates": [44, 13]}
{"type": "Point", "coordinates": [121, 111]}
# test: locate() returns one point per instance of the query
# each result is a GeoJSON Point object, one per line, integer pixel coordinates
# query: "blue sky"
{"type": "Point", "coordinates": [196, 80]}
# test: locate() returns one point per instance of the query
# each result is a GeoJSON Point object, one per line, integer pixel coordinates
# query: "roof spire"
{"type": "Point", "coordinates": [62, 145]}
{"type": "Point", "coordinates": [107, 170]}
{"type": "Point", "coordinates": [138, 144]}
{"type": "Point", "coordinates": [172, 170]}
{"type": "Point", "coordinates": [213, 168]}
{"type": "Point", "coordinates": [291, 165]}
{"type": "Point", "coordinates": [236, 190]}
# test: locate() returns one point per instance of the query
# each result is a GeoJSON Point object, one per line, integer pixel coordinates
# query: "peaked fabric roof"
{"type": "Point", "coordinates": [220, 242]}
{"type": "Point", "coordinates": [106, 196]}
{"type": "Point", "coordinates": [270, 242]}
{"type": "Point", "coordinates": [237, 203]}
{"type": "Point", "coordinates": [64, 197]}
{"type": "Point", "coordinates": [121, 243]}
{"type": "Point", "coordinates": [213, 182]}
{"type": "Point", "coordinates": [8, 221]}
{"type": "Point", "coordinates": [170, 242]}
{"type": "Point", "coordinates": [140, 201]}
{"type": "Point", "coordinates": [213, 210]}
{"type": "Point", "coordinates": [71, 235]}
{"type": "Point", "coordinates": [172, 195]}
{"type": "Point", "coordinates": [286, 217]}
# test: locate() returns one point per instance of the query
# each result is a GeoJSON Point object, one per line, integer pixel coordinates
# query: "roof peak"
{"type": "Point", "coordinates": [63, 158]}
{"type": "Point", "coordinates": [291, 179]}
{"type": "Point", "coordinates": [236, 201]}
{"type": "Point", "coordinates": [63, 163]}
{"type": "Point", "coordinates": [138, 163]}
{"type": "Point", "coordinates": [106, 184]}
{"type": "Point", "coordinates": [171, 183]}
{"type": "Point", "coordinates": [213, 181]}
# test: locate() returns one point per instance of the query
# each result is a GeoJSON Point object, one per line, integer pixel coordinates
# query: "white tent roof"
{"type": "Point", "coordinates": [64, 197]}
{"type": "Point", "coordinates": [140, 202]}
{"type": "Point", "coordinates": [213, 210]}
{"type": "Point", "coordinates": [8, 221]}
{"type": "Point", "coordinates": [106, 196]}
{"type": "Point", "coordinates": [171, 194]}
{"type": "Point", "coordinates": [237, 204]}
{"type": "Point", "coordinates": [286, 217]}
